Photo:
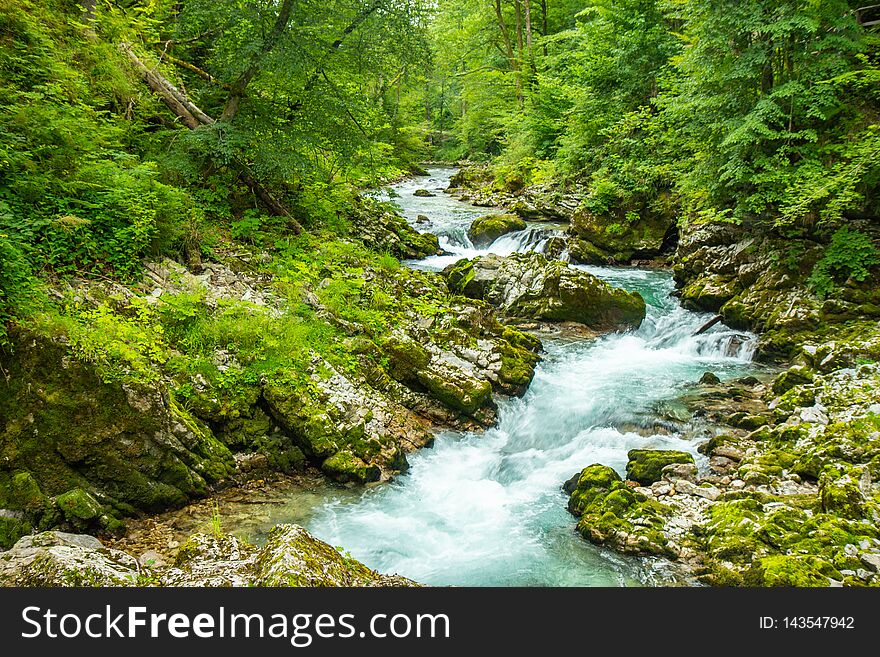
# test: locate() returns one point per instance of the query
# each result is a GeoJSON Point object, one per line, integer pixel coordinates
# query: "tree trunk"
{"type": "Point", "coordinates": [530, 55]}
{"type": "Point", "coordinates": [157, 83]}
{"type": "Point", "coordinates": [193, 117]}
{"type": "Point", "coordinates": [238, 87]}
{"type": "Point", "coordinates": [544, 24]}
{"type": "Point", "coordinates": [89, 8]}
{"type": "Point", "coordinates": [519, 49]}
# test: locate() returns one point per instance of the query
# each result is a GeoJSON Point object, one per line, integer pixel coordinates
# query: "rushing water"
{"type": "Point", "coordinates": [488, 509]}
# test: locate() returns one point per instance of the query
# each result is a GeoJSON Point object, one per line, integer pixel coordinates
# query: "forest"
{"type": "Point", "coordinates": [207, 238]}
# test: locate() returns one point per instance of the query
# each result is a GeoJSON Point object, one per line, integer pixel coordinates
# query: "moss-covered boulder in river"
{"type": "Point", "coordinates": [485, 230]}
{"type": "Point", "coordinates": [612, 514]}
{"type": "Point", "coordinates": [528, 285]}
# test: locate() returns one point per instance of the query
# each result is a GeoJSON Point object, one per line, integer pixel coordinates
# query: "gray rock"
{"type": "Point", "coordinates": [60, 559]}
{"type": "Point", "coordinates": [871, 560]}
{"type": "Point", "coordinates": [291, 557]}
{"type": "Point", "coordinates": [673, 471]}
{"type": "Point", "coordinates": [529, 286]}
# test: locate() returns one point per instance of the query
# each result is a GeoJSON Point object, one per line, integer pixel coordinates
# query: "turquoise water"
{"type": "Point", "coordinates": [488, 509]}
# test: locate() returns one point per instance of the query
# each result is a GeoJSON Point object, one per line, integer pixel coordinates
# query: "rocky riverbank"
{"type": "Point", "coordinates": [789, 495]}
{"type": "Point", "coordinates": [317, 355]}
{"type": "Point", "coordinates": [290, 557]}
{"type": "Point", "coordinates": [787, 492]}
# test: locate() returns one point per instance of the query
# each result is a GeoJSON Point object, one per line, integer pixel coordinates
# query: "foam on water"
{"type": "Point", "coordinates": [487, 509]}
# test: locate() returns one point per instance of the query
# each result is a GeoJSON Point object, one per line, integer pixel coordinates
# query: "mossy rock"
{"type": "Point", "coordinates": [344, 466]}
{"type": "Point", "coordinates": [794, 376]}
{"type": "Point", "coordinates": [406, 357]}
{"type": "Point", "coordinates": [612, 514]}
{"type": "Point", "coordinates": [461, 279]}
{"type": "Point", "coordinates": [529, 286]}
{"type": "Point", "coordinates": [592, 480]}
{"type": "Point", "coordinates": [485, 230]}
{"type": "Point", "coordinates": [791, 570]}
{"type": "Point", "coordinates": [65, 426]}
{"type": "Point", "coordinates": [840, 495]}
{"type": "Point", "coordinates": [587, 253]}
{"type": "Point", "coordinates": [646, 465]}
{"type": "Point", "coordinates": [462, 393]}
{"type": "Point", "coordinates": [622, 238]}
{"type": "Point", "coordinates": [12, 529]}
{"type": "Point", "coordinates": [78, 505]}
{"type": "Point", "coordinates": [423, 192]}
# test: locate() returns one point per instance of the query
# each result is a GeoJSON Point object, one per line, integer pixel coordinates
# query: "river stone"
{"type": "Point", "coordinates": [673, 471]}
{"type": "Point", "coordinates": [529, 286]}
{"type": "Point", "coordinates": [57, 558]}
{"type": "Point", "coordinates": [422, 192]}
{"type": "Point", "coordinates": [485, 230]}
{"type": "Point", "coordinates": [646, 465]}
{"type": "Point", "coordinates": [709, 379]}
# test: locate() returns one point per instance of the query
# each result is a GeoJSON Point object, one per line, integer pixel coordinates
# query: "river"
{"type": "Point", "coordinates": [487, 509]}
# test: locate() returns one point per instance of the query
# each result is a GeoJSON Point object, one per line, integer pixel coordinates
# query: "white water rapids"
{"type": "Point", "coordinates": [488, 509]}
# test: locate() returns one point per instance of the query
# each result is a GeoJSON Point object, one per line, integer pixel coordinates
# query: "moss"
{"type": "Point", "coordinates": [485, 230]}
{"type": "Point", "coordinates": [791, 570]}
{"type": "Point", "coordinates": [645, 465]}
{"type": "Point", "coordinates": [840, 495]}
{"type": "Point", "coordinates": [460, 278]}
{"type": "Point", "coordinates": [794, 376]}
{"type": "Point", "coordinates": [66, 428]}
{"type": "Point", "coordinates": [612, 514]}
{"type": "Point", "coordinates": [12, 529]}
{"type": "Point", "coordinates": [586, 253]}
{"type": "Point", "coordinates": [344, 466]}
{"type": "Point", "coordinates": [463, 393]}
{"type": "Point", "coordinates": [406, 357]}
{"type": "Point", "coordinates": [78, 505]}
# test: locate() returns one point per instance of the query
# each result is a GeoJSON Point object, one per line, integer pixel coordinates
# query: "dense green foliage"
{"type": "Point", "coordinates": [754, 111]}
{"type": "Point", "coordinates": [96, 172]}
{"type": "Point", "coordinates": [168, 128]}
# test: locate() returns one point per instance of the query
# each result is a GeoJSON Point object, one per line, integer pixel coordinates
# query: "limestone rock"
{"type": "Point", "coordinates": [485, 230]}
{"type": "Point", "coordinates": [60, 559]}
{"type": "Point", "coordinates": [528, 285]}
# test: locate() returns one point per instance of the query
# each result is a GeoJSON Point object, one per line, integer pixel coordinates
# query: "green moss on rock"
{"type": "Point", "coordinates": [646, 465]}
{"type": "Point", "coordinates": [485, 230]}
{"type": "Point", "coordinates": [344, 466]}
{"type": "Point", "coordinates": [612, 514]}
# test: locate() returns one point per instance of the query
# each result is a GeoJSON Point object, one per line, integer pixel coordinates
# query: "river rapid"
{"type": "Point", "coordinates": [487, 509]}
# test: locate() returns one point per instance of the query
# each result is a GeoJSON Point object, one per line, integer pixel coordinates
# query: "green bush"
{"type": "Point", "coordinates": [850, 255]}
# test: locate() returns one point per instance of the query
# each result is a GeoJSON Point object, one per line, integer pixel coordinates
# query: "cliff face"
{"type": "Point", "coordinates": [761, 280]}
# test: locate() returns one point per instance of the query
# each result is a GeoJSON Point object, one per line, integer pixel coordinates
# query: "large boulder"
{"type": "Point", "coordinates": [80, 449]}
{"type": "Point", "coordinates": [614, 515]}
{"type": "Point", "coordinates": [602, 238]}
{"type": "Point", "coordinates": [59, 559]}
{"type": "Point", "coordinates": [528, 285]}
{"type": "Point", "coordinates": [290, 557]}
{"type": "Point", "coordinates": [485, 230]}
